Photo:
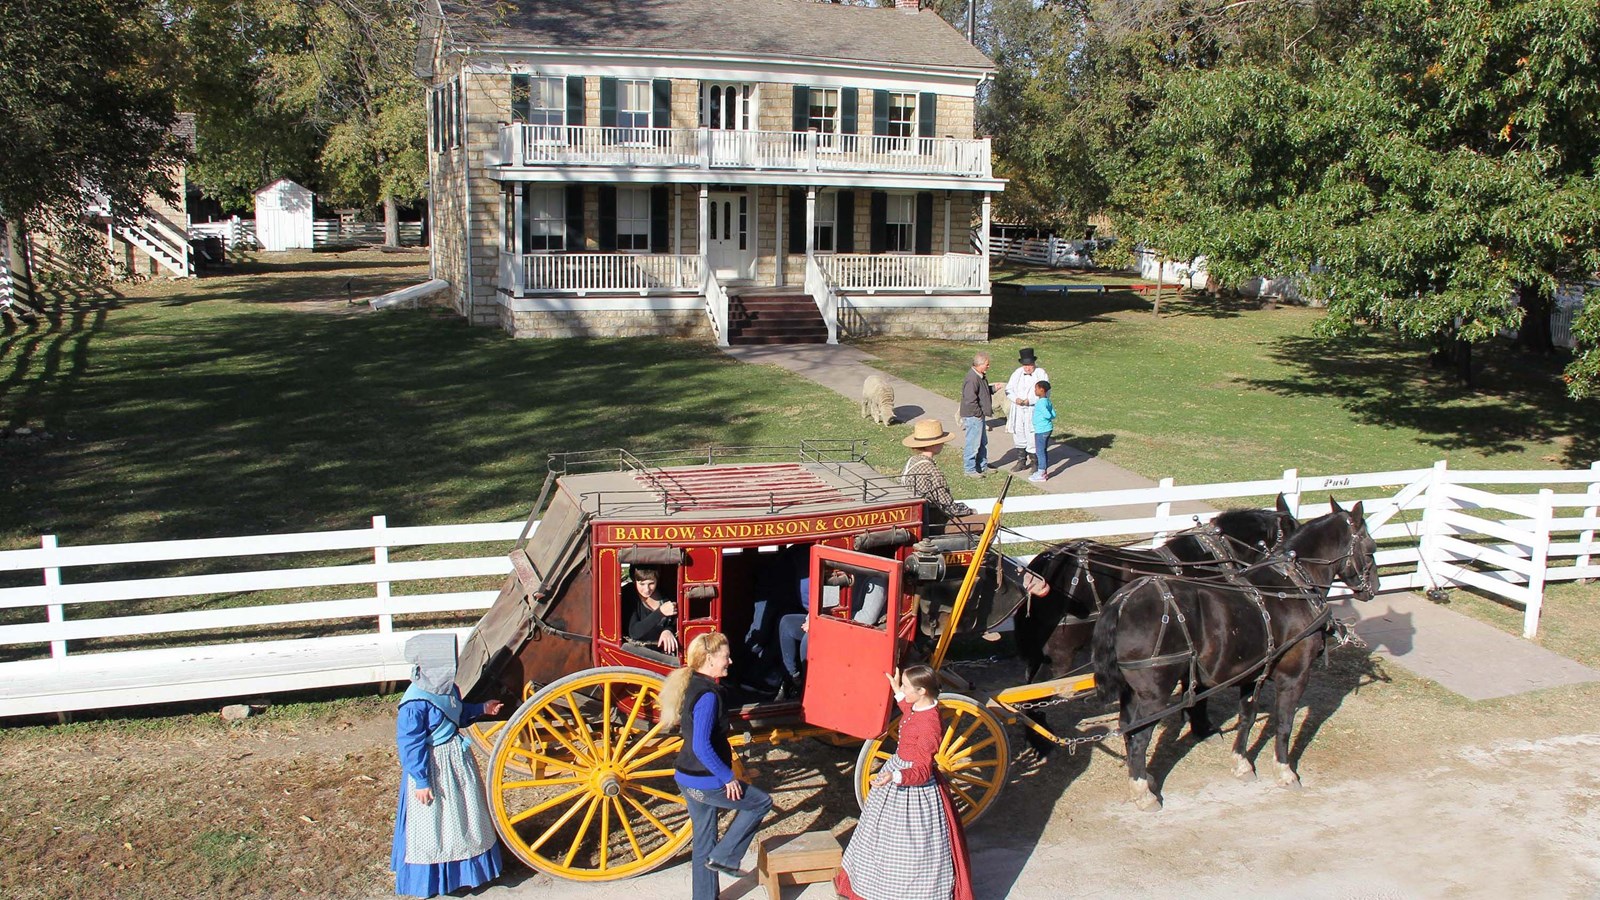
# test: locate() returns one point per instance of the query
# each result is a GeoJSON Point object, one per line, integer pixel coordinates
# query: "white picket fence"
{"type": "Point", "coordinates": [1436, 527]}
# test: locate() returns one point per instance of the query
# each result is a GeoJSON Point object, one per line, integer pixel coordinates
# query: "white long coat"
{"type": "Point", "coordinates": [1019, 415]}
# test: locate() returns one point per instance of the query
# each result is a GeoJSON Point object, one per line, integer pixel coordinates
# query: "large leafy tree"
{"type": "Point", "coordinates": [1437, 176]}
{"type": "Point", "coordinates": [85, 114]}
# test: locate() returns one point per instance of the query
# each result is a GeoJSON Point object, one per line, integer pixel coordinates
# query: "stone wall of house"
{"type": "Point", "coordinates": [953, 117]}
{"type": "Point", "coordinates": [686, 323]}
{"type": "Point", "coordinates": [945, 323]}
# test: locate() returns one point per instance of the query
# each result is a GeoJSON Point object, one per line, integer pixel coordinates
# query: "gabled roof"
{"type": "Point", "coordinates": [786, 29]}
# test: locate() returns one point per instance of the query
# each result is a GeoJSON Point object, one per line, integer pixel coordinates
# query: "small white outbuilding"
{"type": "Point", "coordinates": [284, 216]}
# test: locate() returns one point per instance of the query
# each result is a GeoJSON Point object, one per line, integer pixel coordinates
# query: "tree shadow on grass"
{"type": "Point", "coordinates": [1386, 381]}
{"type": "Point", "coordinates": [1015, 313]}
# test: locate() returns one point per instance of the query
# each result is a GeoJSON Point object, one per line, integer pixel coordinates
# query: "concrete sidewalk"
{"type": "Point", "coordinates": [842, 369]}
{"type": "Point", "coordinates": [1464, 655]}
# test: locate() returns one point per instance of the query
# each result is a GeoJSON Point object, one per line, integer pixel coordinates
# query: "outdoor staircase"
{"type": "Point", "coordinates": [164, 244]}
{"type": "Point", "coordinates": [774, 316]}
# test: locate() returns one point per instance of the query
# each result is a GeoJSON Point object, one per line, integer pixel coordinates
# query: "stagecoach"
{"type": "Point", "coordinates": [580, 776]}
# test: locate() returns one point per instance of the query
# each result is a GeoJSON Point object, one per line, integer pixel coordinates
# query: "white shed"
{"type": "Point", "coordinates": [283, 216]}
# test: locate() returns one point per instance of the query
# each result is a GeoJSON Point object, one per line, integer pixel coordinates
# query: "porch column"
{"type": "Point", "coordinates": [811, 224]}
{"type": "Point", "coordinates": [677, 218]}
{"type": "Point", "coordinates": [705, 240]}
{"type": "Point", "coordinates": [777, 234]}
{"type": "Point", "coordinates": [947, 223]}
{"type": "Point", "coordinates": [516, 222]}
{"type": "Point", "coordinates": [983, 246]}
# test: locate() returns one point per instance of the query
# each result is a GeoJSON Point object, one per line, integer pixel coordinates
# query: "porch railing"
{"type": "Point", "coordinates": [717, 307]}
{"type": "Point", "coordinates": [825, 295]}
{"type": "Point", "coordinates": [599, 273]}
{"type": "Point", "coordinates": [876, 272]}
{"type": "Point", "coordinates": [709, 148]}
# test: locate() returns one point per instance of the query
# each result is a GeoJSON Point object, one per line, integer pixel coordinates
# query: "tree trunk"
{"type": "Point", "coordinates": [1463, 360]}
{"type": "Point", "coordinates": [391, 222]}
{"type": "Point", "coordinates": [1534, 334]}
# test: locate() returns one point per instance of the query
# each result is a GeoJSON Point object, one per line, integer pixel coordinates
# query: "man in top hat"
{"type": "Point", "coordinates": [1019, 412]}
{"type": "Point", "coordinates": [922, 474]}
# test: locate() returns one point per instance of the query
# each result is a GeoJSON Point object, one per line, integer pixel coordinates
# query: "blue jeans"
{"type": "Point", "coordinates": [703, 809]}
{"type": "Point", "coordinates": [1039, 443]}
{"type": "Point", "coordinates": [976, 457]}
{"type": "Point", "coordinates": [792, 642]}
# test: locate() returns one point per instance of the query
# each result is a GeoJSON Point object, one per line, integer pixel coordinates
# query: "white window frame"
{"type": "Point", "coordinates": [896, 231]}
{"type": "Point", "coordinates": [745, 98]}
{"type": "Point", "coordinates": [902, 131]}
{"type": "Point", "coordinates": [827, 125]}
{"type": "Point", "coordinates": [628, 117]}
{"type": "Point", "coordinates": [633, 220]}
{"type": "Point", "coordinates": [544, 215]}
{"type": "Point", "coordinates": [826, 217]}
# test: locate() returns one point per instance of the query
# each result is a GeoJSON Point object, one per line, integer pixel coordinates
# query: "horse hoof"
{"type": "Point", "coordinates": [1245, 773]}
{"type": "Point", "coordinates": [1289, 779]}
{"type": "Point", "coordinates": [1149, 804]}
{"type": "Point", "coordinates": [1200, 737]}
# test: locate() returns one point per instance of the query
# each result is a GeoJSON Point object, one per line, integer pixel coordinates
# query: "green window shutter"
{"type": "Point", "coordinates": [880, 112]}
{"type": "Point", "coordinates": [521, 91]}
{"type": "Point", "coordinates": [608, 102]}
{"type": "Point", "coordinates": [880, 222]}
{"type": "Point", "coordinates": [608, 218]}
{"type": "Point", "coordinates": [574, 218]}
{"type": "Point", "coordinates": [849, 99]}
{"type": "Point", "coordinates": [802, 107]}
{"type": "Point", "coordinates": [927, 110]}
{"type": "Point", "coordinates": [660, 205]}
{"type": "Point", "coordinates": [661, 103]}
{"type": "Point", "coordinates": [575, 100]}
{"type": "Point", "coordinates": [797, 221]}
{"type": "Point", "coordinates": [844, 240]}
{"type": "Point", "coordinates": [924, 227]}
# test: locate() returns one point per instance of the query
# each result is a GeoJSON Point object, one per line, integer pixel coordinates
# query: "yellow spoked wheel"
{"type": "Point", "coordinates": [484, 734]}
{"type": "Point", "coordinates": [581, 780]}
{"type": "Point", "coordinates": [974, 756]}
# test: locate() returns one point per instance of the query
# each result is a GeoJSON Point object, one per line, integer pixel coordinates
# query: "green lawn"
{"type": "Point", "coordinates": [260, 402]}
{"type": "Point", "coordinates": [1218, 390]}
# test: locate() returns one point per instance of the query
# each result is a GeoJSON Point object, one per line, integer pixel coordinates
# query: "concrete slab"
{"type": "Point", "coordinates": [1475, 660]}
{"type": "Point", "coordinates": [842, 369]}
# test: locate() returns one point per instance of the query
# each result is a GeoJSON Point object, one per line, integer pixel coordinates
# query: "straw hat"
{"type": "Point", "coordinates": [928, 433]}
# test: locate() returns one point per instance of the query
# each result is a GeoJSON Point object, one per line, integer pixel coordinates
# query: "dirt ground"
{"type": "Point", "coordinates": [1409, 792]}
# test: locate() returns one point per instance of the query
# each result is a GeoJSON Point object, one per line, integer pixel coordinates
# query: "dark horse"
{"type": "Point", "coordinates": [1271, 620]}
{"type": "Point", "coordinates": [1083, 576]}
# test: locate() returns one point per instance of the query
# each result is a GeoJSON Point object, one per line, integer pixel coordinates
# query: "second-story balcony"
{"type": "Point", "coordinates": [709, 149]}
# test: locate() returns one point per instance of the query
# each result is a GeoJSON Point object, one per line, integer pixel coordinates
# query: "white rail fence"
{"type": "Point", "coordinates": [1055, 252]}
{"type": "Point", "coordinates": [872, 272]}
{"type": "Point", "coordinates": [1436, 527]}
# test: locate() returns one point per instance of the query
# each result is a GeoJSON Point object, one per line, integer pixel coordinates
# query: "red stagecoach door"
{"type": "Point", "coordinates": [851, 647]}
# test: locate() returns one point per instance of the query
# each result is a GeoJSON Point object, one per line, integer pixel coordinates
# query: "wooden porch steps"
{"type": "Point", "coordinates": [774, 316]}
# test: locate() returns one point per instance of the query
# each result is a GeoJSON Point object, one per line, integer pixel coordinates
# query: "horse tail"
{"type": "Point", "coordinates": [1107, 673]}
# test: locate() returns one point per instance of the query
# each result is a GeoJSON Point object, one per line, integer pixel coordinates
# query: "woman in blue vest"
{"type": "Point", "coordinates": [444, 838]}
{"type": "Point", "coordinates": [693, 697]}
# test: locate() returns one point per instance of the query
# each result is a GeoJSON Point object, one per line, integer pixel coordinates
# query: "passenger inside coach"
{"type": "Point", "coordinates": [648, 617]}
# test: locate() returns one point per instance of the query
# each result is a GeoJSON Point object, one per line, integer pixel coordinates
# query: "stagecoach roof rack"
{"type": "Point", "coordinates": [618, 483]}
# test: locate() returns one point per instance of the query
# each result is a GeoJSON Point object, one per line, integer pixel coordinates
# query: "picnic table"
{"type": "Point", "coordinates": [1146, 288]}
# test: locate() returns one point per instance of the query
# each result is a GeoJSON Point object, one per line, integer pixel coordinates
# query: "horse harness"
{"type": "Point", "coordinates": [1206, 535]}
{"type": "Point", "coordinates": [1314, 596]}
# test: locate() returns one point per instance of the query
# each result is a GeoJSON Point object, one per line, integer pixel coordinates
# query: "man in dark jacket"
{"type": "Point", "coordinates": [977, 405]}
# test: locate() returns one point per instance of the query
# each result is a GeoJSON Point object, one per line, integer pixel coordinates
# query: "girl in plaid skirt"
{"type": "Point", "coordinates": [909, 844]}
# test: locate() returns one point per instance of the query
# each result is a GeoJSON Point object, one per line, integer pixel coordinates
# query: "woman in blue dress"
{"type": "Point", "coordinates": [444, 838]}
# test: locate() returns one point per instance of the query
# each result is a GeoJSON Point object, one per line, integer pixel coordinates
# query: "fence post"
{"type": "Point", "coordinates": [1586, 539]}
{"type": "Point", "coordinates": [1163, 510]}
{"type": "Point", "coordinates": [1427, 555]}
{"type": "Point", "coordinates": [1291, 491]}
{"type": "Point", "coordinates": [380, 557]}
{"type": "Point", "coordinates": [52, 579]}
{"type": "Point", "coordinates": [1539, 557]}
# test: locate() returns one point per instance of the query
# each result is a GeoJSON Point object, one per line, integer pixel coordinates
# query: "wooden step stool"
{"type": "Point", "coordinates": [797, 859]}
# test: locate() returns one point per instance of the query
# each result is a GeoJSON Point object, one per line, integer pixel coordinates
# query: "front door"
{"type": "Point", "coordinates": [851, 642]}
{"type": "Point", "coordinates": [729, 239]}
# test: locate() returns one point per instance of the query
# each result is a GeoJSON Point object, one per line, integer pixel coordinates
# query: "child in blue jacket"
{"type": "Point", "coordinates": [1044, 422]}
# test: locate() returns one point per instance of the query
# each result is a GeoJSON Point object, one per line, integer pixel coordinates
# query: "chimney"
{"type": "Point", "coordinates": [909, 6]}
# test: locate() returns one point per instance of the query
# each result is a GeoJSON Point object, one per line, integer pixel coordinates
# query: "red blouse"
{"type": "Point", "coordinates": [920, 733]}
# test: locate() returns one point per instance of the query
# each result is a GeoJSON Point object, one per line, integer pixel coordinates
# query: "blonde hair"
{"type": "Point", "coordinates": [677, 684]}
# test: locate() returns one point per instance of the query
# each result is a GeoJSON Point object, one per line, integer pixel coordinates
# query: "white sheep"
{"type": "Point", "coordinates": [877, 400]}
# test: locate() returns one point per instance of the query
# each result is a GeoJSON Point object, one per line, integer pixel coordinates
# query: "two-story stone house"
{"type": "Point", "coordinates": [751, 170]}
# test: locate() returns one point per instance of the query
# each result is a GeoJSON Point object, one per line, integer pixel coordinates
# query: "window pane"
{"type": "Point", "coordinates": [633, 219]}
{"type": "Point", "coordinates": [544, 213]}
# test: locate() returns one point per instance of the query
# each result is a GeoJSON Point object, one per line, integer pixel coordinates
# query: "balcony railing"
{"type": "Point", "coordinates": [600, 273]}
{"type": "Point", "coordinates": [708, 148]}
{"type": "Point", "coordinates": [879, 272]}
